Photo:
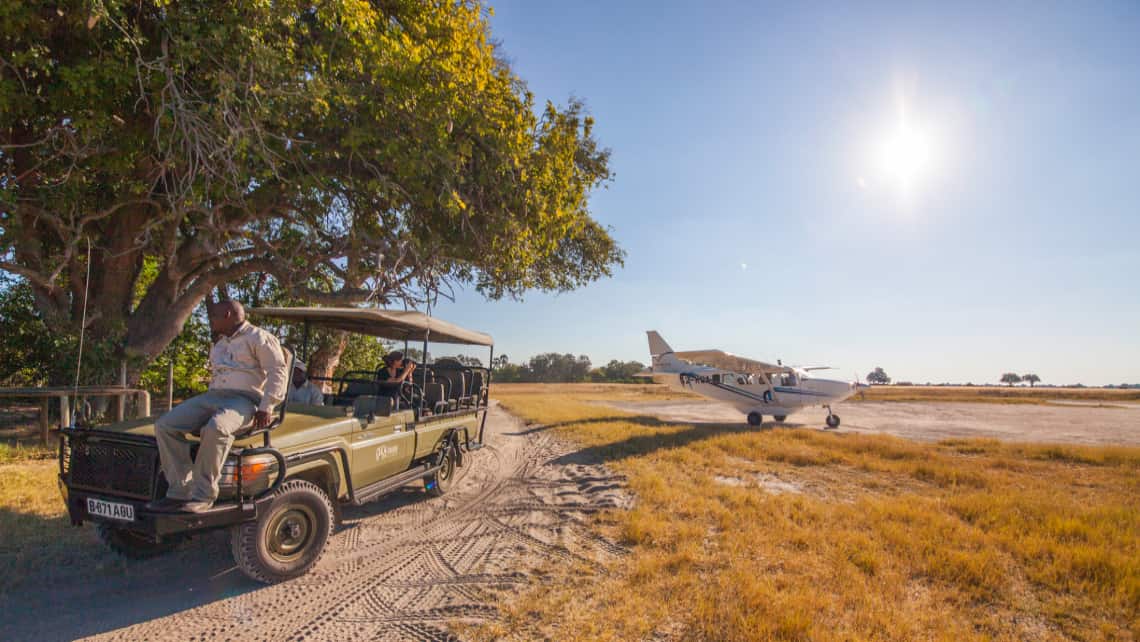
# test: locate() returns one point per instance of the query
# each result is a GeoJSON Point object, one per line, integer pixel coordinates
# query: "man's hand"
{"type": "Point", "coordinates": [261, 419]}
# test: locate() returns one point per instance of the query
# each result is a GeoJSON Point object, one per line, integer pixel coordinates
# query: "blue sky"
{"type": "Point", "coordinates": [769, 208]}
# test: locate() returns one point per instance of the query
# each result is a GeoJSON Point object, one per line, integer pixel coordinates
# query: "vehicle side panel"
{"type": "Point", "coordinates": [432, 430]}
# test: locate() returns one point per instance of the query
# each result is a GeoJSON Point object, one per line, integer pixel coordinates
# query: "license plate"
{"type": "Point", "coordinates": [110, 510]}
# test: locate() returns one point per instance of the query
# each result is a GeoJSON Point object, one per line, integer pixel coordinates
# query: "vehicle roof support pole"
{"type": "Point", "coordinates": [424, 364]}
{"type": "Point", "coordinates": [305, 342]}
{"type": "Point", "coordinates": [490, 369]}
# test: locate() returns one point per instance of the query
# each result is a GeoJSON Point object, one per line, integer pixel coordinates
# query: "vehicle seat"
{"type": "Point", "coordinates": [366, 406]}
{"type": "Point", "coordinates": [434, 397]}
{"type": "Point", "coordinates": [477, 385]}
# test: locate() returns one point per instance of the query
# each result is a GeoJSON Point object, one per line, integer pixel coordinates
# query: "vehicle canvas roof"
{"type": "Point", "coordinates": [397, 325]}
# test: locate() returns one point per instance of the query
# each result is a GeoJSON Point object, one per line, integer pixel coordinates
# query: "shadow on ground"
{"type": "Point", "coordinates": [645, 444]}
{"type": "Point", "coordinates": [89, 590]}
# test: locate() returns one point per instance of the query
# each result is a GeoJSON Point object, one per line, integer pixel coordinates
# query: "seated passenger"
{"type": "Point", "coordinates": [396, 368]}
{"type": "Point", "coordinates": [301, 390]}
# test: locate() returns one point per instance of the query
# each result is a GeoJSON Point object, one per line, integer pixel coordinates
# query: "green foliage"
{"type": "Point", "coordinates": [878, 376]}
{"type": "Point", "coordinates": [552, 367]}
{"type": "Point", "coordinates": [1010, 378]}
{"type": "Point", "coordinates": [341, 152]}
{"type": "Point", "coordinates": [617, 371]}
{"type": "Point", "coordinates": [26, 347]}
{"type": "Point", "coordinates": [1031, 379]}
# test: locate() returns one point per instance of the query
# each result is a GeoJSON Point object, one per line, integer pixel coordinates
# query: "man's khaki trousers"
{"type": "Point", "coordinates": [218, 414]}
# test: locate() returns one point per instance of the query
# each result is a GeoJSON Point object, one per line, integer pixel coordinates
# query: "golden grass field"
{"type": "Point", "coordinates": [995, 394]}
{"type": "Point", "coordinates": [800, 534]}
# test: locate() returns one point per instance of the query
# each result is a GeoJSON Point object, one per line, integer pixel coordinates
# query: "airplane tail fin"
{"type": "Point", "coordinates": [657, 345]}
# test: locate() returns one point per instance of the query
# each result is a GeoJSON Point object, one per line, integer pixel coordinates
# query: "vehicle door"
{"type": "Point", "coordinates": [381, 448]}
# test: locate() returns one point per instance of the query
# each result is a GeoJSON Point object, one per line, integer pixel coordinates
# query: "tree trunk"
{"type": "Point", "coordinates": [326, 358]}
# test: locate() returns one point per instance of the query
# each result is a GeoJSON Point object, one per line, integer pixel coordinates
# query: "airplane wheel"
{"type": "Point", "coordinates": [755, 419]}
{"type": "Point", "coordinates": [833, 421]}
{"type": "Point", "coordinates": [780, 417]}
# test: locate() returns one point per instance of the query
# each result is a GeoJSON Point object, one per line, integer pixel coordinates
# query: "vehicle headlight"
{"type": "Point", "coordinates": [257, 472]}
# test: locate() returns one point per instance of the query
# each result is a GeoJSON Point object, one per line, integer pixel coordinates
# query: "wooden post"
{"type": "Point", "coordinates": [170, 385]}
{"type": "Point", "coordinates": [121, 408]}
{"type": "Point", "coordinates": [64, 411]}
{"type": "Point", "coordinates": [143, 403]}
{"type": "Point", "coordinates": [45, 403]}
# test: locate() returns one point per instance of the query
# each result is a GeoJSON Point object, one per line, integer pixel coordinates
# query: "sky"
{"type": "Point", "coordinates": [948, 191]}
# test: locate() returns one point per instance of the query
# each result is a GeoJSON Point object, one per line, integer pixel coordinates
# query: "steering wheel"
{"type": "Point", "coordinates": [410, 394]}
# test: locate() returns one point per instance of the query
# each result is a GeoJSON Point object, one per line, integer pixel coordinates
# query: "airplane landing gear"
{"type": "Point", "coordinates": [780, 417]}
{"type": "Point", "coordinates": [755, 419]}
{"type": "Point", "coordinates": [832, 419]}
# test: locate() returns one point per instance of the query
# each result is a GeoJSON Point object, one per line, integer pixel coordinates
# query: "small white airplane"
{"type": "Point", "coordinates": [753, 387]}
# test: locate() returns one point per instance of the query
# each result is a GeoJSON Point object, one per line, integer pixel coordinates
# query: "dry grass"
{"type": "Point", "coordinates": [996, 394]}
{"type": "Point", "coordinates": [740, 534]}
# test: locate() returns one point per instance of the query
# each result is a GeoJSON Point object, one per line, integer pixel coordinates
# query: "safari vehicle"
{"type": "Point", "coordinates": [282, 486]}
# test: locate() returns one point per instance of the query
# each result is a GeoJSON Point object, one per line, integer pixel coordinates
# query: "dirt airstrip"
{"type": "Point", "coordinates": [401, 568]}
{"type": "Point", "coordinates": [1098, 424]}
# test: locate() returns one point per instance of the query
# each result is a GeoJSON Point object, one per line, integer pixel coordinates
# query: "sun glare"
{"type": "Point", "coordinates": [903, 156]}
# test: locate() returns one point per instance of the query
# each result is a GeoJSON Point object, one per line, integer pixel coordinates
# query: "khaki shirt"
{"type": "Point", "coordinates": [250, 360]}
{"type": "Point", "coordinates": [308, 393]}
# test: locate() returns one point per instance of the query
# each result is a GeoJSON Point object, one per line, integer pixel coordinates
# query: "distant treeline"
{"type": "Point", "coordinates": [552, 367]}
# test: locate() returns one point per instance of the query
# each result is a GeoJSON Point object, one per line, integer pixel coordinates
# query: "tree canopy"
{"type": "Point", "coordinates": [878, 376]}
{"type": "Point", "coordinates": [348, 151]}
{"type": "Point", "coordinates": [1010, 378]}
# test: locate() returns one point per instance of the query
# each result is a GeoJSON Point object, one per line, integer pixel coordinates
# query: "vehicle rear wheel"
{"type": "Point", "coordinates": [134, 545]}
{"type": "Point", "coordinates": [780, 417]}
{"type": "Point", "coordinates": [755, 418]}
{"type": "Point", "coordinates": [439, 482]}
{"type": "Point", "coordinates": [833, 421]}
{"type": "Point", "coordinates": [288, 538]}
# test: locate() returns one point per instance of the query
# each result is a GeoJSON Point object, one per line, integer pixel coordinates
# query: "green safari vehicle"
{"type": "Point", "coordinates": [282, 486]}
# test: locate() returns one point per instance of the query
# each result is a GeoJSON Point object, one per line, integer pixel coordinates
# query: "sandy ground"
{"type": "Point", "coordinates": [400, 568]}
{"type": "Point", "coordinates": [1067, 422]}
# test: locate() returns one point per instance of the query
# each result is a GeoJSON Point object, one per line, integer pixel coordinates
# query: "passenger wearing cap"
{"type": "Point", "coordinates": [301, 390]}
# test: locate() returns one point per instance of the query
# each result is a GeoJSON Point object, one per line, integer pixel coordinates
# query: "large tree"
{"type": "Point", "coordinates": [349, 151]}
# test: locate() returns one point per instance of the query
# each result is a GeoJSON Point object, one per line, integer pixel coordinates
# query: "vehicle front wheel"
{"type": "Point", "coordinates": [780, 417]}
{"type": "Point", "coordinates": [755, 419]}
{"type": "Point", "coordinates": [833, 421]}
{"type": "Point", "coordinates": [440, 481]}
{"type": "Point", "coordinates": [133, 545]}
{"type": "Point", "coordinates": [288, 538]}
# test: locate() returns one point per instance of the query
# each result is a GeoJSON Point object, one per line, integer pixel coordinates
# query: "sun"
{"type": "Point", "coordinates": [904, 157]}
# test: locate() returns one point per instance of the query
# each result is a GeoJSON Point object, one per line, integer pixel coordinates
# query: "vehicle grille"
{"type": "Point", "coordinates": [113, 467]}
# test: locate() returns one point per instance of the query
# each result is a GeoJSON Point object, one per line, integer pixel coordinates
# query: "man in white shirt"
{"type": "Point", "coordinates": [248, 378]}
{"type": "Point", "coordinates": [302, 390]}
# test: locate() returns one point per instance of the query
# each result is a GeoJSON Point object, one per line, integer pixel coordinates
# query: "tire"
{"type": "Point", "coordinates": [755, 418]}
{"type": "Point", "coordinates": [288, 538]}
{"type": "Point", "coordinates": [780, 417]}
{"type": "Point", "coordinates": [438, 483]}
{"type": "Point", "coordinates": [833, 421]}
{"type": "Point", "coordinates": [133, 545]}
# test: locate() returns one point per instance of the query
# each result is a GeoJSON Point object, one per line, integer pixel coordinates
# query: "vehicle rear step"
{"type": "Point", "coordinates": [373, 491]}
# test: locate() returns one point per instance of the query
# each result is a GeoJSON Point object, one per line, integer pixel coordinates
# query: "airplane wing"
{"type": "Point", "coordinates": [727, 361]}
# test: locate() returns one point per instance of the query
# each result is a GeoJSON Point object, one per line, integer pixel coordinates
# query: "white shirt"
{"type": "Point", "coordinates": [308, 393]}
{"type": "Point", "coordinates": [250, 360]}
